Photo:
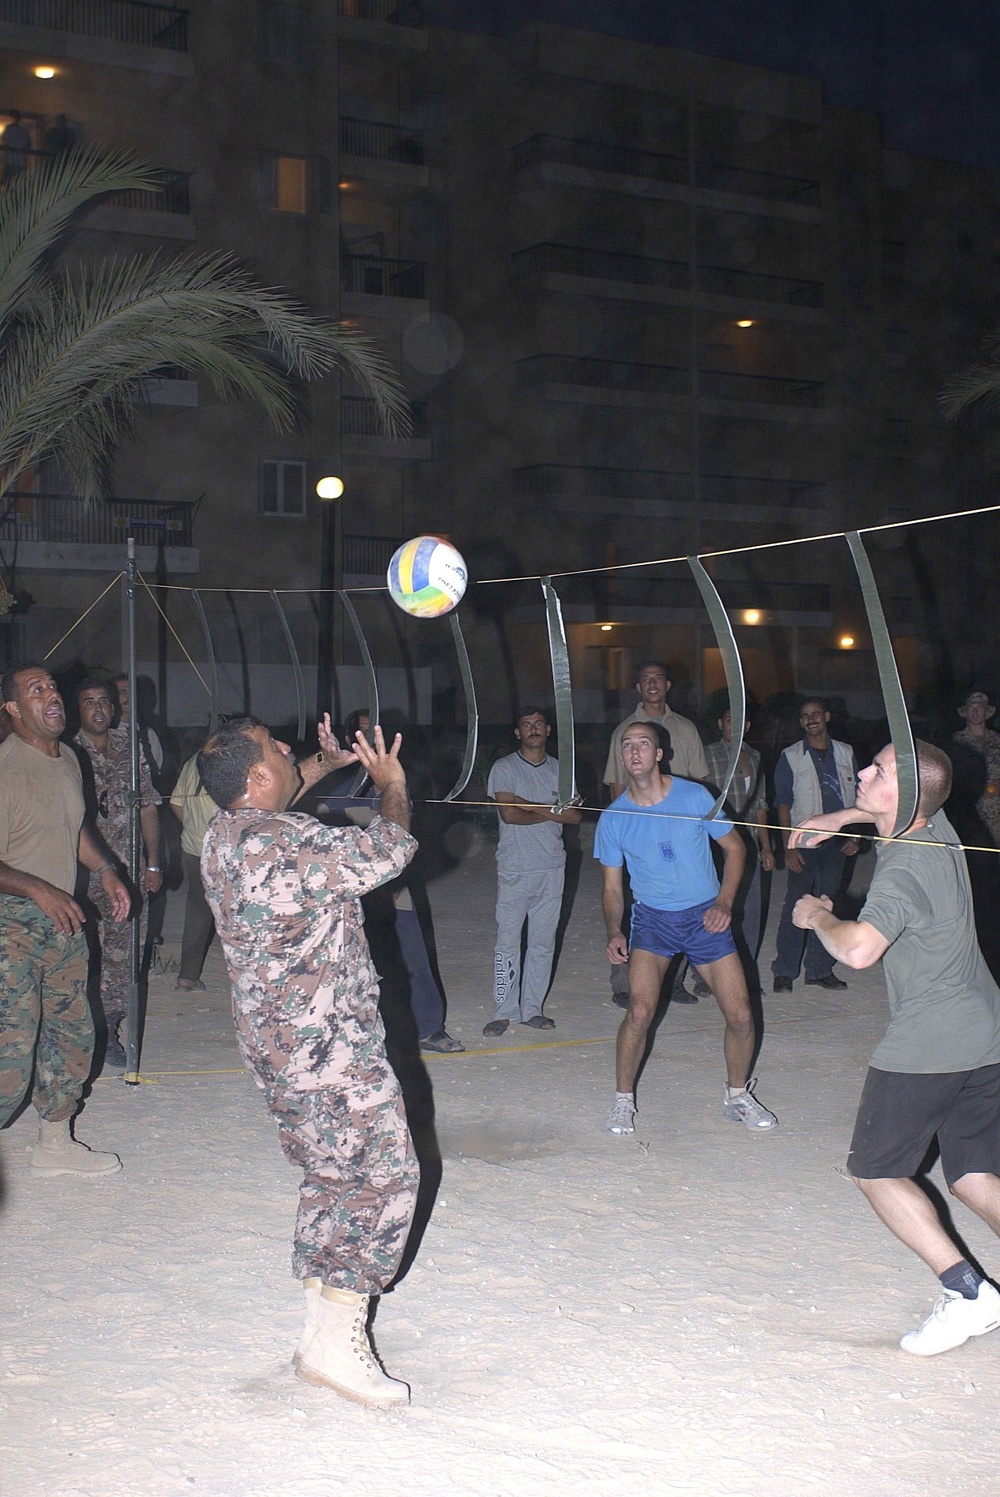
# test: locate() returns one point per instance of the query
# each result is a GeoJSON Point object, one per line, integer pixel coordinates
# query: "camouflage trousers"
{"type": "Point", "coordinates": [360, 1177]}
{"type": "Point", "coordinates": [116, 955]}
{"type": "Point", "coordinates": [46, 1030]}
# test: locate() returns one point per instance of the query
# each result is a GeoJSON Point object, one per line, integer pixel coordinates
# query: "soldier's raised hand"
{"type": "Point", "coordinates": [382, 764]}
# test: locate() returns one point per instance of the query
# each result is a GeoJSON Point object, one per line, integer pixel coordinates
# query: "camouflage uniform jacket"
{"type": "Point", "coordinates": [285, 891]}
{"type": "Point", "coordinates": [112, 773]}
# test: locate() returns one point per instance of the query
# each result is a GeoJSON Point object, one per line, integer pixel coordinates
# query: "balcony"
{"type": "Point", "coordinates": [163, 212]}
{"type": "Point", "coordinates": [720, 390]}
{"type": "Point", "coordinates": [748, 286]}
{"type": "Point", "coordinates": [595, 165]}
{"type": "Point", "coordinates": [558, 267]}
{"type": "Point", "coordinates": [382, 161]}
{"type": "Point", "coordinates": [130, 33]}
{"type": "Point", "coordinates": [59, 532]}
{"type": "Point", "coordinates": [603, 491]}
{"type": "Point", "coordinates": [617, 593]}
{"type": "Point", "coordinates": [602, 381]}
{"type": "Point", "coordinates": [390, 26]}
{"type": "Point", "coordinates": [561, 267]}
{"type": "Point", "coordinates": [391, 290]}
{"type": "Point", "coordinates": [366, 558]}
{"type": "Point", "coordinates": [362, 433]}
{"type": "Point", "coordinates": [663, 494]}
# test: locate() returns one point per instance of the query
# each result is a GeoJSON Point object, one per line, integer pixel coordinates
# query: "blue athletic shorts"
{"type": "Point", "coordinates": [670, 932]}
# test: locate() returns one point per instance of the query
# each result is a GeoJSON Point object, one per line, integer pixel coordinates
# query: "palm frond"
{"type": "Point", "coordinates": [75, 359]}
{"type": "Point", "coordinates": [37, 207]}
{"type": "Point", "coordinates": [979, 384]}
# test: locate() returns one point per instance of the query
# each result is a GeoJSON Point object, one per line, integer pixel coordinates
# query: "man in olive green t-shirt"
{"type": "Point", "coordinates": [936, 1072]}
{"type": "Point", "coordinates": [46, 1030]}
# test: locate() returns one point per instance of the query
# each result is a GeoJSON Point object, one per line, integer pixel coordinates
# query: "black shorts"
{"type": "Point", "coordinates": [900, 1113]}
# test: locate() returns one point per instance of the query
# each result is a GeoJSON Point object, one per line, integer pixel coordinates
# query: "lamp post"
{"type": "Point", "coordinates": [331, 573]}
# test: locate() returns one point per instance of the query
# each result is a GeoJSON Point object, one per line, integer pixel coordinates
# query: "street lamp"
{"type": "Point", "coordinates": [331, 579]}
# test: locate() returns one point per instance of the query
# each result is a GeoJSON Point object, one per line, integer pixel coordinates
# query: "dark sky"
{"type": "Point", "coordinates": [931, 68]}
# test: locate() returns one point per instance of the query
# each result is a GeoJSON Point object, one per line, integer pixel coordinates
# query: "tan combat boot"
{"type": "Point", "coordinates": [312, 1288]}
{"type": "Point", "coordinates": [339, 1355]}
{"type": "Point", "coordinates": [57, 1152]}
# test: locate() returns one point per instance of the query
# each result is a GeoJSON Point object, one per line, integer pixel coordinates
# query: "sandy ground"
{"type": "Point", "coordinates": [695, 1310]}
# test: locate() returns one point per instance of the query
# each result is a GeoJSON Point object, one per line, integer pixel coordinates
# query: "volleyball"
{"type": "Point", "coordinates": [427, 577]}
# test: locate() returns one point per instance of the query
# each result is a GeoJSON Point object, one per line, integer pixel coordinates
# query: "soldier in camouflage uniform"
{"type": "Point", "coordinates": [285, 891]}
{"type": "Point", "coordinates": [46, 1031]}
{"type": "Point", "coordinates": [106, 760]}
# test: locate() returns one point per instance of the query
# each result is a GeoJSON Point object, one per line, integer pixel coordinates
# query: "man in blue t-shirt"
{"type": "Point", "coordinates": [658, 830]}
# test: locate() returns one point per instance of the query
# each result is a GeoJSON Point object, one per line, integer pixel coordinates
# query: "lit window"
{"type": "Point", "coordinates": [293, 184]}
{"type": "Point", "coordinates": [282, 488]}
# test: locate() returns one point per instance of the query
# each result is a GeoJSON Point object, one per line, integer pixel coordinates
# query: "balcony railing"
{"type": "Point", "coordinates": [374, 276]}
{"type": "Point", "coordinates": [368, 555]}
{"type": "Point", "coordinates": [66, 520]}
{"type": "Point", "coordinates": [133, 22]}
{"type": "Point", "coordinates": [359, 417]}
{"type": "Point", "coordinates": [638, 270]}
{"type": "Point", "coordinates": [389, 12]}
{"type": "Point", "coordinates": [172, 197]}
{"type": "Point", "coordinates": [719, 177]}
{"type": "Point", "coordinates": [777, 493]}
{"type": "Point", "coordinates": [553, 480]}
{"type": "Point", "coordinates": [602, 374]}
{"type": "Point", "coordinates": [556, 480]}
{"type": "Point", "coordinates": [620, 591]}
{"type": "Point", "coordinates": [749, 284]}
{"type": "Point", "coordinates": [766, 389]}
{"type": "Point", "coordinates": [600, 265]}
{"type": "Point", "coordinates": [374, 141]}
{"type": "Point", "coordinates": [624, 161]}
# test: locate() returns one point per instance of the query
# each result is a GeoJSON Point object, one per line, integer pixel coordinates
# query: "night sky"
{"type": "Point", "coordinates": [930, 69]}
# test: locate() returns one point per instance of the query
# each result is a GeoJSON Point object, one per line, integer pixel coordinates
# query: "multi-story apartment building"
{"type": "Point", "coordinates": [646, 303]}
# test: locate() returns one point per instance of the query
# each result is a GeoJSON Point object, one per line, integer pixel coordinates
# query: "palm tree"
{"type": "Point", "coordinates": [76, 344]}
{"type": "Point", "coordinates": [977, 389]}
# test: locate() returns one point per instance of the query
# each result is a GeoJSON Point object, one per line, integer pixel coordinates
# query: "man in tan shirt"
{"type": "Point", "coordinates": [46, 1029]}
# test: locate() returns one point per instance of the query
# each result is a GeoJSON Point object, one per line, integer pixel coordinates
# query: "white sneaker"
{"type": "Point", "coordinates": [953, 1320]}
{"type": "Point", "coordinates": [622, 1113]}
{"type": "Point", "coordinates": [744, 1108]}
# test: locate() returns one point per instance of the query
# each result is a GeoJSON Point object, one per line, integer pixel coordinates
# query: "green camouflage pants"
{"type": "Point", "coordinates": [46, 1030]}
{"type": "Point", "coordinates": [360, 1178]}
{"type": "Point", "coordinates": [116, 955]}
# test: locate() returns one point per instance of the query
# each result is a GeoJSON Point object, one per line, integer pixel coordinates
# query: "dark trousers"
{"type": "Point", "coordinates": [822, 871]}
{"type": "Point", "coordinates": [199, 926]}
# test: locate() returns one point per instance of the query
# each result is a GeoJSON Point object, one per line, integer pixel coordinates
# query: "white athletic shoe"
{"type": "Point", "coordinates": [744, 1108]}
{"type": "Point", "coordinates": [953, 1320]}
{"type": "Point", "coordinates": [622, 1113]}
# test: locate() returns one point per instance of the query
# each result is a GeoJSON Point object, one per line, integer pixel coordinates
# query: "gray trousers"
{"type": "Point", "coordinates": [537, 898]}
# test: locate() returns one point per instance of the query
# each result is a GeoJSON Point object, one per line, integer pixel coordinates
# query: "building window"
{"type": "Point", "coordinates": [282, 488]}
{"type": "Point", "coordinates": [293, 184]}
{"type": "Point", "coordinates": [284, 34]}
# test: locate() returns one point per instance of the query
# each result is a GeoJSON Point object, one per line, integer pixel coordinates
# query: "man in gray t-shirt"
{"type": "Point", "coordinates": [936, 1072]}
{"type": "Point", "coordinates": [530, 864]}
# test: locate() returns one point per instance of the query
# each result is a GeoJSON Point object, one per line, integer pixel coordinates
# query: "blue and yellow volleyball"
{"type": "Point", "coordinates": [427, 577]}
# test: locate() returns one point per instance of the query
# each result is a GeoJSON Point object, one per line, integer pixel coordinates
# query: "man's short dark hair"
{"type": "Point", "coordinates": [528, 710]}
{"type": "Point", "coordinates": [8, 686]}
{"type": "Point", "coordinates": [660, 665]}
{"type": "Point", "coordinates": [353, 724]}
{"type": "Point", "coordinates": [95, 683]}
{"type": "Point", "coordinates": [816, 701]}
{"type": "Point", "coordinates": [661, 737]}
{"type": "Point", "coordinates": [933, 777]}
{"type": "Point", "coordinates": [227, 759]}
